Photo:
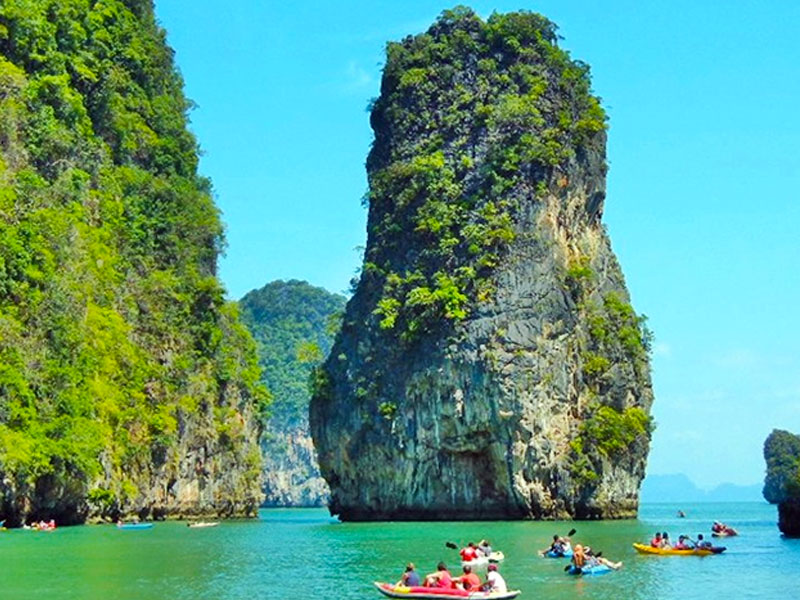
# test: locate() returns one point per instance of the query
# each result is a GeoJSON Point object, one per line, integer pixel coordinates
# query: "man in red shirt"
{"type": "Point", "coordinates": [469, 553]}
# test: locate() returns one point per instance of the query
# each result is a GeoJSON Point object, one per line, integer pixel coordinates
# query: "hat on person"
{"type": "Point", "coordinates": [492, 567]}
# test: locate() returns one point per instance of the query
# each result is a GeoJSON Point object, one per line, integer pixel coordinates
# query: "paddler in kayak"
{"type": "Point", "coordinates": [440, 578]}
{"type": "Point", "coordinates": [559, 547]}
{"type": "Point", "coordinates": [468, 581]}
{"type": "Point", "coordinates": [485, 548]}
{"type": "Point", "coordinates": [578, 559]}
{"type": "Point", "coordinates": [592, 560]}
{"type": "Point", "coordinates": [723, 529]}
{"type": "Point", "coordinates": [494, 581]}
{"type": "Point", "coordinates": [701, 543]}
{"type": "Point", "coordinates": [682, 543]}
{"type": "Point", "coordinates": [410, 577]}
{"type": "Point", "coordinates": [657, 542]}
{"type": "Point", "coordinates": [469, 552]}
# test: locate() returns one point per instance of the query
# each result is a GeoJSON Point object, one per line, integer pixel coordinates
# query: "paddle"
{"type": "Point", "coordinates": [451, 545]}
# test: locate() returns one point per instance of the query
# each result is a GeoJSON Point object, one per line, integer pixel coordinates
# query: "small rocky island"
{"type": "Point", "coordinates": [490, 364]}
{"type": "Point", "coordinates": [782, 483]}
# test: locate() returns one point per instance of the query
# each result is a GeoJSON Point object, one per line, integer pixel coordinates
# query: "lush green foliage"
{"type": "Point", "coordinates": [782, 454]}
{"type": "Point", "coordinates": [470, 114]}
{"type": "Point", "coordinates": [613, 324]}
{"type": "Point", "coordinates": [294, 324]}
{"type": "Point", "coordinates": [609, 432]}
{"type": "Point", "coordinates": [113, 327]}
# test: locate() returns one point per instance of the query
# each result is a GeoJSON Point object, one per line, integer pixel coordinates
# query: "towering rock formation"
{"type": "Point", "coordinates": [782, 483]}
{"type": "Point", "coordinates": [127, 383]}
{"type": "Point", "coordinates": [293, 324]}
{"type": "Point", "coordinates": [489, 364]}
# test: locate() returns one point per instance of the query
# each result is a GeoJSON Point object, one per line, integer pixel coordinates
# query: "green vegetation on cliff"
{"type": "Point", "coordinates": [503, 80]}
{"type": "Point", "coordinates": [114, 333]}
{"type": "Point", "coordinates": [293, 324]}
{"type": "Point", "coordinates": [782, 454]}
{"type": "Point", "coordinates": [490, 303]}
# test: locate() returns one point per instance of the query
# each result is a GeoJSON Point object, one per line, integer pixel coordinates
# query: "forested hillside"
{"type": "Point", "coordinates": [127, 383]}
{"type": "Point", "coordinates": [294, 324]}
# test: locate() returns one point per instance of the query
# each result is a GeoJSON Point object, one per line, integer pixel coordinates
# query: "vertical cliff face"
{"type": "Point", "coordinates": [782, 483]}
{"type": "Point", "coordinates": [489, 364]}
{"type": "Point", "coordinates": [127, 383]}
{"type": "Point", "coordinates": [293, 324]}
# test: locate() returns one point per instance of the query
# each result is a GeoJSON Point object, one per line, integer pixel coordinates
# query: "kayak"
{"type": "Point", "coordinates": [645, 549]}
{"type": "Point", "coordinates": [551, 554]}
{"type": "Point", "coordinates": [201, 524]}
{"type": "Point", "coordinates": [599, 569]}
{"type": "Point", "coordinates": [401, 591]}
{"type": "Point", "coordinates": [483, 561]}
{"type": "Point", "coordinates": [725, 533]}
{"type": "Point", "coordinates": [130, 526]}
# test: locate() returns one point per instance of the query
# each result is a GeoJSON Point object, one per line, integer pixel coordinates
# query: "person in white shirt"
{"type": "Point", "coordinates": [494, 581]}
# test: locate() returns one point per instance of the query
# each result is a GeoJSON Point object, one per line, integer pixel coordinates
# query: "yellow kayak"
{"type": "Point", "coordinates": [645, 549]}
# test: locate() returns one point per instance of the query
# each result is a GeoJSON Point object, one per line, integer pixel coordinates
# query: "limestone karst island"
{"type": "Point", "coordinates": [192, 407]}
{"type": "Point", "coordinates": [490, 364]}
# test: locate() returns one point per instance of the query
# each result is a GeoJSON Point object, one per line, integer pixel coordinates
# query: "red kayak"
{"type": "Point", "coordinates": [401, 591]}
{"type": "Point", "coordinates": [724, 531]}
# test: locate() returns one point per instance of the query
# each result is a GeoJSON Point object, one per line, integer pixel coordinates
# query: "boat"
{"type": "Point", "coordinates": [483, 561]}
{"type": "Point", "coordinates": [727, 532]}
{"type": "Point", "coordinates": [201, 524]}
{"type": "Point", "coordinates": [598, 569]}
{"type": "Point", "coordinates": [402, 591]}
{"type": "Point", "coordinates": [646, 549]}
{"type": "Point", "coordinates": [551, 554]}
{"type": "Point", "coordinates": [134, 526]}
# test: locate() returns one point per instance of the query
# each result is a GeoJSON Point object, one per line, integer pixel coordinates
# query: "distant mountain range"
{"type": "Point", "coordinates": [679, 488]}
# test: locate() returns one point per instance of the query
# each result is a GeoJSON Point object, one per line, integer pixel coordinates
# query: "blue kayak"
{"type": "Point", "coordinates": [598, 569]}
{"type": "Point", "coordinates": [135, 526]}
{"type": "Point", "coordinates": [551, 554]}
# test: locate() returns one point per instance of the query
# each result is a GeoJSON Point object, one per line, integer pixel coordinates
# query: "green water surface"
{"type": "Point", "coordinates": [299, 553]}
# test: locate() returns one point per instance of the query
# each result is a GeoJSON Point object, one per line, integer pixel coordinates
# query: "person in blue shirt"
{"type": "Point", "coordinates": [410, 578]}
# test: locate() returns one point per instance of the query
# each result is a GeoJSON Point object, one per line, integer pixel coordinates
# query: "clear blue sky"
{"type": "Point", "coordinates": [703, 206]}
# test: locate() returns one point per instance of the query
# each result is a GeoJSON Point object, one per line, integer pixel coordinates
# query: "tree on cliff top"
{"type": "Point", "coordinates": [782, 453]}
{"type": "Point", "coordinates": [114, 332]}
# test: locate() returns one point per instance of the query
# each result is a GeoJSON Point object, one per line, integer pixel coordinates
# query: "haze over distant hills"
{"type": "Point", "coordinates": [679, 488]}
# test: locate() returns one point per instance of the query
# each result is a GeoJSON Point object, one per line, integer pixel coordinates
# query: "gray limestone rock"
{"type": "Point", "coordinates": [533, 404]}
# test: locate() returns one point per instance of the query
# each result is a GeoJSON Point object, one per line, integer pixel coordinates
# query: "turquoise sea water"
{"type": "Point", "coordinates": [303, 553]}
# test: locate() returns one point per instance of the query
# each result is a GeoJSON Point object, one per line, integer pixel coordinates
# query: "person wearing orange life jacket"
{"type": "Point", "coordinates": [468, 581]}
{"type": "Point", "coordinates": [578, 557]}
